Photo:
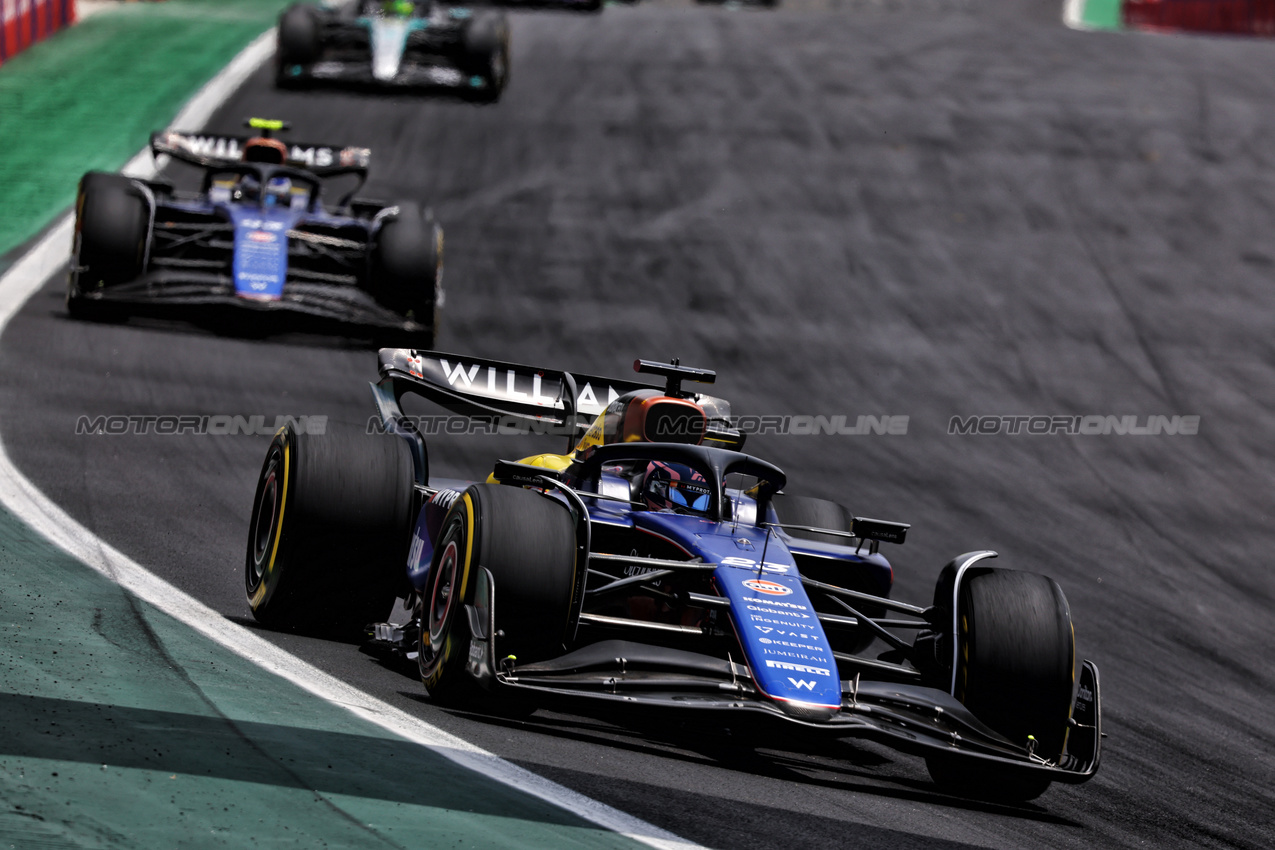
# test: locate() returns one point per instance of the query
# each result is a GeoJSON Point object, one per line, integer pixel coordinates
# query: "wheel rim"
{"type": "Point", "coordinates": [266, 519]}
{"type": "Point", "coordinates": [438, 606]}
{"type": "Point", "coordinates": [443, 594]}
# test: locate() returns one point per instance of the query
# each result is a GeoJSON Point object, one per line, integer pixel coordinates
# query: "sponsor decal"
{"type": "Point", "coordinates": [314, 157]}
{"type": "Point", "coordinates": [778, 611]}
{"type": "Point", "coordinates": [210, 146]}
{"type": "Point", "coordinates": [261, 236]}
{"type": "Point", "coordinates": [414, 553]}
{"type": "Point", "coordinates": [790, 644]}
{"type": "Point", "coordinates": [445, 498]}
{"type": "Point", "coordinates": [261, 224]}
{"type": "Point", "coordinates": [797, 605]}
{"type": "Point", "coordinates": [356, 156]}
{"type": "Point", "coordinates": [259, 282]}
{"type": "Point", "coordinates": [800, 656]}
{"type": "Point", "coordinates": [757, 619]}
{"type": "Point", "coordinates": [802, 683]}
{"type": "Point", "coordinates": [415, 366]}
{"type": "Point", "coordinates": [740, 561]}
{"type": "Point", "coordinates": [515, 385]}
{"type": "Point", "coordinates": [226, 148]}
{"type": "Point", "coordinates": [798, 668]}
{"type": "Point", "coordinates": [770, 588]}
{"type": "Point", "coordinates": [634, 570]}
{"type": "Point", "coordinates": [781, 633]}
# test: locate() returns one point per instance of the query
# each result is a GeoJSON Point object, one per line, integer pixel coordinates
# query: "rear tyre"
{"type": "Point", "coordinates": [527, 542]}
{"type": "Point", "coordinates": [111, 223]}
{"type": "Point", "coordinates": [817, 513]}
{"type": "Point", "coordinates": [1015, 671]}
{"type": "Point", "coordinates": [299, 42]}
{"type": "Point", "coordinates": [327, 545]}
{"type": "Point", "coordinates": [487, 56]}
{"type": "Point", "coordinates": [408, 268]}
{"type": "Point", "coordinates": [821, 513]}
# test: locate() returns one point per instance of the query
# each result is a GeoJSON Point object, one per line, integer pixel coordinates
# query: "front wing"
{"type": "Point", "coordinates": [410, 75]}
{"type": "Point", "coordinates": [922, 720]}
{"type": "Point", "coordinates": [165, 291]}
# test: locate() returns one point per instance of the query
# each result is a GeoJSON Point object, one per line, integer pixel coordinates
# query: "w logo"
{"type": "Point", "coordinates": [458, 374]}
{"type": "Point", "coordinates": [802, 683]}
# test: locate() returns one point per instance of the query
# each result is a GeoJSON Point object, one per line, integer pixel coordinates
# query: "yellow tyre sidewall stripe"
{"type": "Point", "coordinates": [445, 652]}
{"type": "Point", "coordinates": [262, 588]}
{"type": "Point", "coordinates": [469, 546]}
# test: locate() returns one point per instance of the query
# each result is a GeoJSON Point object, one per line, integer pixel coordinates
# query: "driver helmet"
{"type": "Point", "coordinates": [278, 191]}
{"type": "Point", "coordinates": [269, 151]}
{"type": "Point", "coordinates": [675, 487]}
{"type": "Point", "coordinates": [398, 8]}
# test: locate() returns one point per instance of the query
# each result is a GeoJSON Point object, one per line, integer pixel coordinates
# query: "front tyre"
{"type": "Point", "coordinates": [112, 220]}
{"type": "Point", "coordinates": [299, 42]}
{"type": "Point", "coordinates": [1015, 671]}
{"type": "Point", "coordinates": [407, 268]}
{"type": "Point", "coordinates": [486, 56]}
{"type": "Point", "coordinates": [327, 546]}
{"type": "Point", "coordinates": [822, 513]}
{"type": "Point", "coordinates": [815, 513]}
{"type": "Point", "coordinates": [527, 541]}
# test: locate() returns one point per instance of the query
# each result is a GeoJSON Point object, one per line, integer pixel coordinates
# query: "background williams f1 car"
{"type": "Point", "coordinates": [260, 233]}
{"type": "Point", "coordinates": [558, 581]}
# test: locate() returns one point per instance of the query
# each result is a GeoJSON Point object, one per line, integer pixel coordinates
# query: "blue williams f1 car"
{"type": "Point", "coordinates": [260, 234]}
{"type": "Point", "coordinates": [655, 567]}
{"type": "Point", "coordinates": [417, 44]}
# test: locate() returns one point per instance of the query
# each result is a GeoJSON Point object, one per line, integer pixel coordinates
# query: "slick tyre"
{"type": "Point", "coordinates": [408, 268]}
{"type": "Point", "coordinates": [299, 41]}
{"type": "Point", "coordinates": [1015, 671]}
{"type": "Point", "coordinates": [821, 513]}
{"type": "Point", "coordinates": [486, 55]}
{"type": "Point", "coordinates": [111, 223]}
{"type": "Point", "coordinates": [328, 542]}
{"type": "Point", "coordinates": [527, 542]}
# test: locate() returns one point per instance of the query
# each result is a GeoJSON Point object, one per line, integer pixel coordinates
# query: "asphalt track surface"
{"type": "Point", "coordinates": [926, 209]}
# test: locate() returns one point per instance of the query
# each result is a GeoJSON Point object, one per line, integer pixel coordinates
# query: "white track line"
{"type": "Point", "coordinates": [37, 510]}
{"type": "Point", "coordinates": [1074, 14]}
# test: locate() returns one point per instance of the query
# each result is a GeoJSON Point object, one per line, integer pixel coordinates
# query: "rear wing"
{"type": "Point", "coordinates": [209, 151]}
{"type": "Point", "coordinates": [514, 394]}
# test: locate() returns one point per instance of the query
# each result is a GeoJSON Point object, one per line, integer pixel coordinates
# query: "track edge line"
{"type": "Point", "coordinates": [44, 516]}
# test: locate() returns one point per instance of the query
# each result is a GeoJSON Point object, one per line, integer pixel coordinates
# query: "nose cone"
{"type": "Point", "coordinates": [389, 37]}
{"type": "Point", "coordinates": [778, 629]}
{"type": "Point", "coordinates": [807, 711]}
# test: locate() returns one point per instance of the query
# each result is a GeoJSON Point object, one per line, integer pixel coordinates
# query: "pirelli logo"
{"type": "Point", "coordinates": [798, 668]}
